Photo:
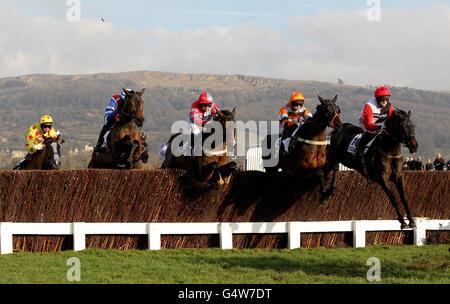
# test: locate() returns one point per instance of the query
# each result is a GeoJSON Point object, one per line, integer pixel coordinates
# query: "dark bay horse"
{"type": "Point", "coordinates": [125, 145]}
{"type": "Point", "coordinates": [307, 148]}
{"type": "Point", "coordinates": [213, 164]}
{"type": "Point", "coordinates": [49, 158]}
{"type": "Point", "coordinates": [383, 161]}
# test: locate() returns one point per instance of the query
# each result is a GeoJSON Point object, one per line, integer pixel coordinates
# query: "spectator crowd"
{"type": "Point", "coordinates": [438, 164]}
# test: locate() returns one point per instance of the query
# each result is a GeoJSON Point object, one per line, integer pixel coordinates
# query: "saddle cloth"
{"type": "Point", "coordinates": [353, 146]}
{"type": "Point", "coordinates": [354, 143]}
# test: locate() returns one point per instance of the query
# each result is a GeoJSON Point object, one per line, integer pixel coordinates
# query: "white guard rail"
{"type": "Point", "coordinates": [225, 230]}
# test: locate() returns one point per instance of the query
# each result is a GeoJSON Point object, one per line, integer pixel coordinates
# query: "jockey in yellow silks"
{"type": "Point", "coordinates": [38, 132]}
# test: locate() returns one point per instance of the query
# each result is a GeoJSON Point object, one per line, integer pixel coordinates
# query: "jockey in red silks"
{"type": "Point", "coordinates": [372, 118]}
{"type": "Point", "coordinates": [376, 111]}
{"type": "Point", "coordinates": [202, 111]}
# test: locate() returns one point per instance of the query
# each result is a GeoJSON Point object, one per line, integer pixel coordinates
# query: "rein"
{"type": "Point", "coordinates": [332, 121]}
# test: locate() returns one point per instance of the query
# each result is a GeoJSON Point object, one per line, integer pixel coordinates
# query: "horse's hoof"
{"type": "Point", "coordinates": [227, 179]}
{"type": "Point", "coordinates": [412, 224]}
{"type": "Point", "coordinates": [404, 226]}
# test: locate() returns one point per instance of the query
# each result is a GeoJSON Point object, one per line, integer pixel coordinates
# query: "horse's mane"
{"type": "Point", "coordinates": [401, 113]}
{"type": "Point", "coordinates": [226, 112]}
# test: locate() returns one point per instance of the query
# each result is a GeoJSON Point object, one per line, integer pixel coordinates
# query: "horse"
{"type": "Point", "coordinates": [49, 158]}
{"type": "Point", "coordinates": [124, 142]}
{"type": "Point", "coordinates": [307, 148]}
{"type": "Point", "coordinates": [383, 161]}
{"type": "Point", "coordinates": [212, 165]}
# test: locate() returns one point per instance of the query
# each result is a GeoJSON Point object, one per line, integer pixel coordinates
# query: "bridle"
{"type": "Point", "coordinates": [336, 114]}
{"type": "Point", "coordinates": [51, 159]}
{"type": "Point", "coordinates": [127, 109]}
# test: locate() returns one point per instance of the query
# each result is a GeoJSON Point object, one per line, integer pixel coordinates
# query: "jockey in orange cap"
{"type": "Point", "coordinates": [292, 116]}
{"type": "Point", "coordinates": [35, 137]}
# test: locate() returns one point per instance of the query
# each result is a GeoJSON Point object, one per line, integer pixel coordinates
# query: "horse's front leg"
{"type": "Point", "coordinates": [323, 173]}
{"type": "Point", "coordinates": [397, 179]}
{"type": "Point", "coordinates": [383, 182]}
{"type": "Point", "coordinates": [322, 178]}
{"type": "Point", "coordinates": [227, 170]}
{"type": "Point", "coordinates": [133, 147]}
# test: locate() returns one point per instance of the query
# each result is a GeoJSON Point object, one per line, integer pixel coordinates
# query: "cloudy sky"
{"type": "Point", "coordinates": [396, 42]}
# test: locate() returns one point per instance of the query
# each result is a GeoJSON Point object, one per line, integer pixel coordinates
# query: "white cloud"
{"type": "Point", "coordinates": [407, 47]}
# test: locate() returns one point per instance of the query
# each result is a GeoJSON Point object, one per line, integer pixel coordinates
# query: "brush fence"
{"type": "Point", "coordinates": [154, 231]}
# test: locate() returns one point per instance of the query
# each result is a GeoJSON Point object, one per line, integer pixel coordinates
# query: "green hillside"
{"type": "Point", "coordinates": [77, 103]}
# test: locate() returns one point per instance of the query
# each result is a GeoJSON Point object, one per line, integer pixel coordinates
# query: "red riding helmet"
{"type": "Point", "coordinates": [382, 91]}
{"type": "Point", "coordinates": [205, 98]}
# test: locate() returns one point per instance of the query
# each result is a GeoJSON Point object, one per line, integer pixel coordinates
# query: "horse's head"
{"type": "Point", "coordinates": [400, 127]}
{"type": "Point", "coordinates": [133, 106]}
{"type": "Point", "coordinates": [328, 111]}
{"type": "Point", "coordinates": [226, 118]}
{"type": "Point", "coordinates": [53, 152]}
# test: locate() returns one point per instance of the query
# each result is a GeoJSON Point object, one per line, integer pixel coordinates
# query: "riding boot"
{"type": "Point", "coordinates": [195, 145]}
{"type": "Point", "coordinates": [360, 154]}
{"type": "Point", "coordinates": [23, 163]}
{"type": "Point", "coordinates": [98, 147]}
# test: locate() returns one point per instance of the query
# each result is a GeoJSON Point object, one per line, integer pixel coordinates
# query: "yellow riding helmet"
{"type": "Point", "coordinates": [46, 119]}
{"type": "Point", "coordinates": [297, 96]}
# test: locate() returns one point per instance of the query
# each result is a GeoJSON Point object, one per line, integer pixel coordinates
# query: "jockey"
{"type": "Point", "coordinates": [202, 111]}
{"type": "Point", "coordinates": [291, 117]}
{"type": "Point", "coordinates": [293, 114]}
{"type": "Point", "coordinates": [35, 138]}
{"type": "Point", "coordinates": [38, 132]}
{"type": "Point", "coordinates": [372, 118]}
{"type": "Point", "coordinates": [376, 111]}
{"type": "Point", "coordinates": [111, 116]}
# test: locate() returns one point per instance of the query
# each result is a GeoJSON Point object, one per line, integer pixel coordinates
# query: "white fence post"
{"type": "Point", "coordinates": [359, 234]}
{"type": "Point", "coordinates": [420, 232]}
{"type": "Point", "coordinates": [154, 237]}
{"type": "Point", "coordinates": [293, 235]}
{"type": "Point", "coordinates": [226, 236]}
{"type": "Point", "coordinates": [6, 239]}
{"type": "Point", "coordinates": [79, 236]}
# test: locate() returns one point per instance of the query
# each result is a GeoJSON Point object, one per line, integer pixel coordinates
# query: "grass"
{"type": "Point", "coordinates": [399, 264]}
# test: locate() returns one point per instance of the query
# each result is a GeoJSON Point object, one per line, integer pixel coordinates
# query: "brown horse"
{"type": "Point", "coordinates": [213, 164]}
{"type": "Point", "coordinates": [307, 148]}
{"type": "Point", "coordinates": [125, 145]}
{"type": "Point", "coordinates": [383, 160]}
{"type": "Point", "coordinates": [49, 158]}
